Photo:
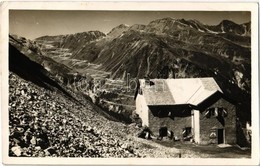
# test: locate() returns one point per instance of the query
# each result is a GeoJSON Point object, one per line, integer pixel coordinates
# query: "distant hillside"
{"type": "Point", "coordinates": [34, 52]}
{"type": "Point", "coordinates": [72, 41]}
{"type": "Point", "coordinates": [211, 48]}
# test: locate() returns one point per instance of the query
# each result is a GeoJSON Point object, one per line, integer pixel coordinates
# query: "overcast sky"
{"type": "Point", "coordinates": [32, 24]}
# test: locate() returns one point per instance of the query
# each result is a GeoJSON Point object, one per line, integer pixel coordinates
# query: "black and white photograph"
{"type": "Point", "coordinates": [130, 84]}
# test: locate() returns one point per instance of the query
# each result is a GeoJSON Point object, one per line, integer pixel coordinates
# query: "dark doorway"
{"type": "Point", "coordinates": [186, 133]}
{"type": "Point", "coordinates": [163, 131]}
{"type": "Point", "coordinates": [220, 136]}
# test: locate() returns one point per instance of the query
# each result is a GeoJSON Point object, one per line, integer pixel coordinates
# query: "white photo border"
{"type": "Point", "coordinates": [129, 6]}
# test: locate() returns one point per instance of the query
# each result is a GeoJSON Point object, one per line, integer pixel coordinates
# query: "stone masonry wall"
{"type": "Point", "coordinates": [208, 125]}
{"type": "Point", "coordinates": [175, 124]}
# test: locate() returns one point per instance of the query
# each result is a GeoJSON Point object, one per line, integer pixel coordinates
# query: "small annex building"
{"type": "Point", "coordinates": [189, 108]}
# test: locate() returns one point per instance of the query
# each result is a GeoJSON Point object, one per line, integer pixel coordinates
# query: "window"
{"type": "Point", "coordinates": [164, 113]}
{"type": "Point", "coordinates": [186, 133]}
{"type": "Point", "coordinates": [216, 112]}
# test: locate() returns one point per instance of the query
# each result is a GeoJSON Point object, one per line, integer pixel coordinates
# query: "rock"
{"type": "Point", "coordinates": [130, 149]}
{"type": "Point", "coordinates": [124, 146]}
{"type": "Point", "coordinates": [17, 150]}
{"type": "Point", "coordinates": [33, 140]}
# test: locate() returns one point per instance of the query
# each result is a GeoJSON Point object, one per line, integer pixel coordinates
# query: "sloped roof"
{"type": "Point", "coordinates": [158, 93]}
{"type": "Point", "coordinates": [179, 91]}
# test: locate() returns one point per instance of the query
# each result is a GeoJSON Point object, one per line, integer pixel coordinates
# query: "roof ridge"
{"type": "Point", "coordinates": [194, 93]}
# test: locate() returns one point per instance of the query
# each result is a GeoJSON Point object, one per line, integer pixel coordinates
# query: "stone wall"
{"type": "Point", "coordinates": [175, 124]}
{"type": "Point", "coordinates": [210, 125]}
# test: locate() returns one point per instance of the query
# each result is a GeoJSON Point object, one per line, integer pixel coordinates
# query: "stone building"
{"type": "Point", "coordinates": [190, 109]}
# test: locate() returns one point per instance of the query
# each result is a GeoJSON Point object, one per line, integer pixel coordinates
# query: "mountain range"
{"type": "Point", "coordinates": [172, 43]}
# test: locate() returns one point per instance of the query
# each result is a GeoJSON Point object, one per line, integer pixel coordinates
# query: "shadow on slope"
{"type": "Point", "coordinates": [31, 71]}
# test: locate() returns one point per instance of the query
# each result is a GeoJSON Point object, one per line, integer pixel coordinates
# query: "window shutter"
{"type": "Point", "coordinates": [224, 113]}
{"type": "Point", "coordinates": [216, 112]}
{"type": "Point", "coordinates": [207, 114]}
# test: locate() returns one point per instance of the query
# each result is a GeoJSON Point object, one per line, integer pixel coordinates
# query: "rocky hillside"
{"type": "Point", "coordinates": [50, 124]}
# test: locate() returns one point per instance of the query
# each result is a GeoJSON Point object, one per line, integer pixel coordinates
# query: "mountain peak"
{"type": "Point", "coordinates": [118, 30]}
{"type": "Point", "coordinates": [88, 33]}
{"type": "Point", "coordinates": [137, 27]}
{"type": "Point", "coordinates": [227, 23]}
{"type": "Point", "coordinates": [166, 19]}
{"type": "Point", "coordinates": [227, 26]}
{"type": "Point", "coordinates": [122, 26]}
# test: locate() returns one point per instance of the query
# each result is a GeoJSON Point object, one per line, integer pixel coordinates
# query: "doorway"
{"type": "Point", "coordinates": [186, 133]}
{"type": "Point", "coordinates": [163, 131]}
{"type": "Point", "coordinates": [220, 136]}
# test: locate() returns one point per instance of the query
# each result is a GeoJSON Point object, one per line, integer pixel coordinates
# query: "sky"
{"type": "Point", "coordinates": [35, 23]}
